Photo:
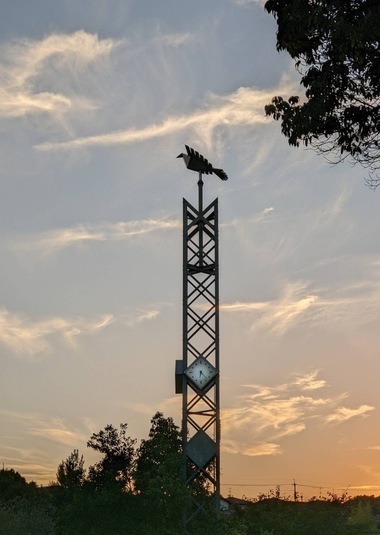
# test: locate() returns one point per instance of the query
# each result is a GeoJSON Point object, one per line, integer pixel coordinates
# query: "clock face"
{"type": "Point", "coordinates": [200, 372]}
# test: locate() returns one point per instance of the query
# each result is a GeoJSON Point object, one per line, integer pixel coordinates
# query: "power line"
{"type": "Point", "coordinates": [322, 487]}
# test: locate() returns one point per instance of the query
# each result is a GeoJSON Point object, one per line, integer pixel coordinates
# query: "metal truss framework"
{"type": "Point", "coordinates": [201, 406]}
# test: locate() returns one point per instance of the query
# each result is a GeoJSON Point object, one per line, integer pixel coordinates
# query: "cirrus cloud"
{"type": "Point", "coordinates": [342, 414]}
{"type": "Point", "coordinates": [54, 240]}
{"type": "Point", "coordinates": [351, 305]}
{"type": "Point", "coordinates": [243, 107]}
{"type": "Point", "coordinates": [280, 315]}
{"type": "Point", "coordinates": [266, 415]}
{"type": "Point", "coordinates": [24, 336]}
{"type": "Point", "coordinates": [28, 337]}
{"type": "Point", "coordinates": [24, 66]}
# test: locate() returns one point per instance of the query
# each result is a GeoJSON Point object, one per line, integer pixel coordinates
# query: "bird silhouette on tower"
{"type": "Point", "coordinates": [196, 162]}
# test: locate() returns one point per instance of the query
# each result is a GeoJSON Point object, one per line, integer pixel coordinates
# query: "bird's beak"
{"type": "Point", "coordinates": [180, 155]}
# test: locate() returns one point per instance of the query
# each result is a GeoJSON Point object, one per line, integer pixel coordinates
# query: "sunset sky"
{"type": "Point", "coordinates": [97, 99]}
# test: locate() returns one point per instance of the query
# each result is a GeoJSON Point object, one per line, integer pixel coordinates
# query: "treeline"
{"type": "Point", "coordinates": [130, 491]}
{"type": "Point", "coordinates": [140, 491]}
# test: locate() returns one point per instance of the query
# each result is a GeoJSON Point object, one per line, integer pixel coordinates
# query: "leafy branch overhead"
{"type": "Point", "coordinates": [335, 44]}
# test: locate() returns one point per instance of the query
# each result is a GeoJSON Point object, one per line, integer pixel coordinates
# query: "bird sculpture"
{"type": "Point", "coordinates": [196, 162]}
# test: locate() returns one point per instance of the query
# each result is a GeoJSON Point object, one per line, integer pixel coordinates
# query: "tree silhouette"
{"type": "Point", "coordinates": [335, 44]}
{"type": "Point", "coordinates": [158, 476]}
{"type": "Point", "coordinates": [71, 473]}
{"type": "Point", "coordinates": [115, 467]}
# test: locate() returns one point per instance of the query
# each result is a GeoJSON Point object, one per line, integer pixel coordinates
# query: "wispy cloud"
{"type": "Point", "coordinates": [85, 233]}
{"type": "Point", "coordinates": [24, 65]}
{"type": "Point", "coordinates": [24, 336]}
{"type": "Point", "coordinates": [353, 304]}
{"type": "Point", "coordinates": [243, 107]}
{"type": "Point", "coordinates": [52, 428]}
{"type": "Point", "coordinates": [57, 431]}
{"type": "Point", "coordinates": [30, 85]}
{"type": "Point", "coordinates": [140, 316]}
{"type": "Point", "coordinates": [342, 414]}
{"type": "Point", "coordinates": [259, 217]}
{"type": "Point", "coordinates": [104, 322]}
{"type": "Point", "coordinates": [174, 39]}
{"type": "Point", "coordinates": [310, 381]}
{"type": "Point", "coordinates": [280, 315]}
{"type": "Point", "coordinates": [28, 465]}
{"type": "Point", "coordinates": [254, 450]}
{"type": "Point", "coordinates": [81, 234]}
{"type": "Point", "coordinates": [32, 428]}
{"type": "Point", "coordinates": [27, 337]}
{"type": "Point", "coordinates": [268, 414]}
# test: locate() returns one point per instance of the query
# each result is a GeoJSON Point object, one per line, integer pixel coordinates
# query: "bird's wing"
{"type": "Point", "coordinates": [199, 157]}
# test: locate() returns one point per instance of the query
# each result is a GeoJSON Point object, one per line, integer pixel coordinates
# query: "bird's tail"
{"type": "Point", "coordinates": [220, 173]}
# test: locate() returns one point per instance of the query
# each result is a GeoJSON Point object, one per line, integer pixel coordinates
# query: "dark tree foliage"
{"type": "Point", "coordinates": [13, 484]}
{"type": "Point", "coordinates": [118, 452]}
{"type": "Point", "coordinates": [26, 509]}
{"type": "Point", "coordinates": [23, 507]}
{"type": "Point", "coordinates": [335, 44]}
{"type": "Point", "coordinates": [158, 454]}
{"type": "Point", "coordinates": [26, 517]}
{"type": "Point", "coordinates": [158, 477]}
{"type": "Point", "coordinates": [71, 473]}
{"type": "Point", "coordinates": [109, 511]}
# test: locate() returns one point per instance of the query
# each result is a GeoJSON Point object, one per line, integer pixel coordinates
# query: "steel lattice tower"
{"type": "Point", "coordinates": [197, 374]}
